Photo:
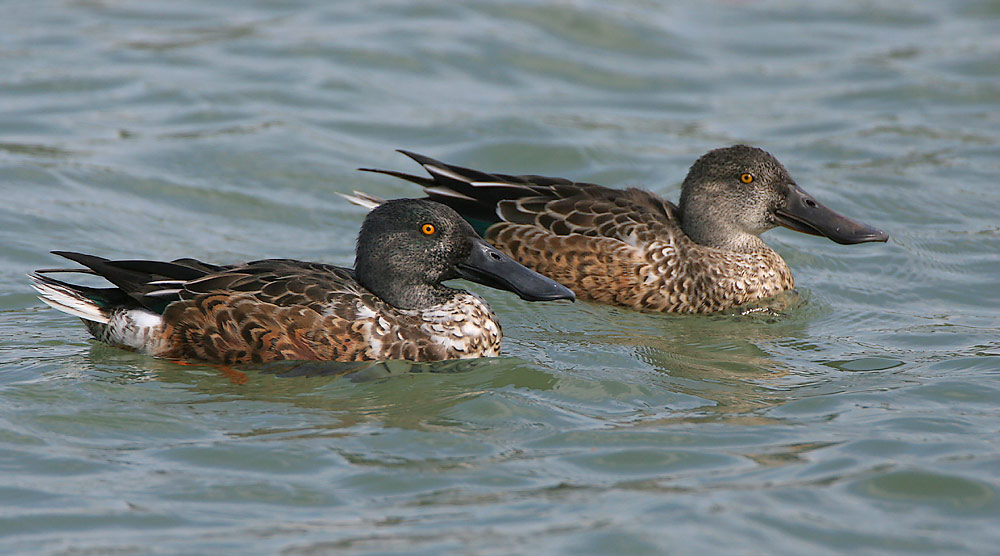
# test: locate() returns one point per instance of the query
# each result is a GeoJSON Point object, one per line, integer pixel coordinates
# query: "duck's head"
{"type": "Point", "coordinates": [733, 195]}
{"type": "Point", "coordinates": [407, 247]}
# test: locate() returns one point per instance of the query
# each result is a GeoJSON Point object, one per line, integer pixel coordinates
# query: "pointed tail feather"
{"type": "Point", "coordinates": [110, 315]}
{"type": "Point", "coordinates": [68, 299]}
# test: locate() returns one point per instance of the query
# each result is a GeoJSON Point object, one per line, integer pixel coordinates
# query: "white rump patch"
{"type": "Point", "coordinates": [144, 319]}
{"type": "Point", "coordinates": [133, 328]}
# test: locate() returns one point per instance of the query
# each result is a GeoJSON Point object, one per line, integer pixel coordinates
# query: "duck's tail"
{"type": "Point", "coordinates": [128, 315]}
{"type": "Point", "coordinates": [71, 299]}
{"type": "Point", "coordinates": [109, 316]}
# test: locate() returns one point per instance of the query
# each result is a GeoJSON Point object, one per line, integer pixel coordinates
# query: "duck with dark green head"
{"type": "Point", "coordinates": [630, 247]}
{"type": "Point", "coordinates": [393, 305]}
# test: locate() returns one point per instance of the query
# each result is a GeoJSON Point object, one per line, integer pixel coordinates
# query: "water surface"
{"type": "Point", "coordinates": [864, 419]}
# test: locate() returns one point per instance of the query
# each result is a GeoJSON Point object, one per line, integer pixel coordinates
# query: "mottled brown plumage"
{"type": "Point", "coordinates": [392, 307]}
{"type": "Point", "coordinates": [283, 309]}
{"type": "Point", "coordinates": [630, 247]}
{"type": "Point", "coordinates": [635, 255]}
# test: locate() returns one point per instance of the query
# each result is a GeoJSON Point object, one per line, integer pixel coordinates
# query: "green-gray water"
{"type": "Point", "coordinates": [866, 419]}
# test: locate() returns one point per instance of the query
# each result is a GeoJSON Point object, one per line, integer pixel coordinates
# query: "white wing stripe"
{"type": "Point", "coordinates": [446, 173]}
{"type": "Point", "coordinates": [500, 184]}
{"type": "Point", "coordinates": [445, 192]}
{"type": "Point", "coordinates": [164, 293]}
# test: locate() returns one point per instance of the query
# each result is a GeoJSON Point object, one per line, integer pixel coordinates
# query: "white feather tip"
{"type": "Point", "coordinates": [362, 199]}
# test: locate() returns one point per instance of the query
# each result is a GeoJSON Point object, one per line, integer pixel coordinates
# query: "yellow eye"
{"type": "Point", "coordinates": [427, 229]}
{"type": "Point", "coordinates": [746, 178]}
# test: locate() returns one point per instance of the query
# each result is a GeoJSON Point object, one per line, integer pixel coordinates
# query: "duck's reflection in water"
{"type": "Point", "coordinates": [722, 359]}
{"type": "Point", "coordinates": [715, 362]}
{"type": "Point", "coordinates": [399, 394]}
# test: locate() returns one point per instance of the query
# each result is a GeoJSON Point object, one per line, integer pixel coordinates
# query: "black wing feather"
{"type": "Point", "coordinates": [480, 200]}
{"type": "Point", "coordinates": [134, 277]}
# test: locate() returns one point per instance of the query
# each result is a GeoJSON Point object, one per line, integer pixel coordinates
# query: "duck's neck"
{"type": "Point", "coordinates": [722, 237]}
{"type": "Point", "coordinates": [403, 294]}
{"type": "Point", "coordinates": [418, 297]}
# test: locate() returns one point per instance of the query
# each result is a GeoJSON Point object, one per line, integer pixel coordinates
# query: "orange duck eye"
{"type": "Point", "coordinates": [428, 229]}
{"type": "Point", "coordinates": [746, 178]}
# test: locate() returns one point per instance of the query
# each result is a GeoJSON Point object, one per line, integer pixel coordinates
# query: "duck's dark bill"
{"type": "Point", "coordinates": [804, 214]}
{"type": "Point", "coordinates": [488, 266]}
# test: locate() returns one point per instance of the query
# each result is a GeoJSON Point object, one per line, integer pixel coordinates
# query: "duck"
{"type": "Point", "coordinates": [391, 305]}
{"type": "Point", "coordinates": [632, 248]}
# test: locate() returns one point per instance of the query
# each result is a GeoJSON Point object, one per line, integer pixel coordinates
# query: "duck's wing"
{"type": "Point", "coordinates": [269, 310]}
{"type": "Point", "coordinates": [149, 285]}
{"type": "Point", "coordinates": [475, 194]}
{"type": "Point", "coordinates": [280, 282]}
{"type": "Point", "coordinates": [187, 309]}
{"type": "Point", "coordinates": [557, 205]}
